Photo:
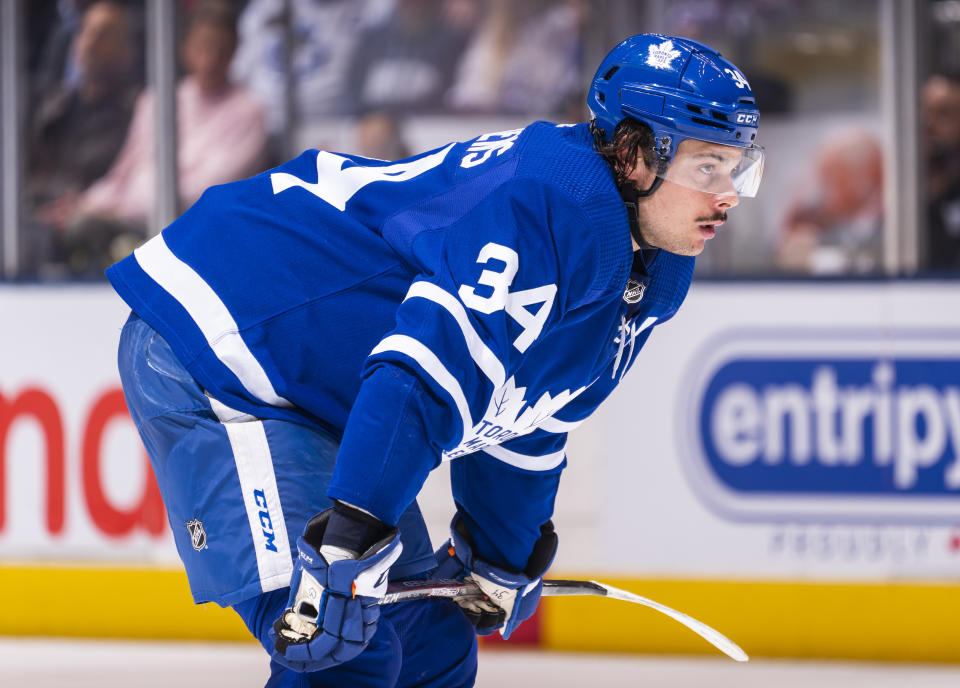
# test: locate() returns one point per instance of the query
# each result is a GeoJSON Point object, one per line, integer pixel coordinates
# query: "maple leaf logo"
{"type": "Point", "coordinates": [662, 56]}
{"type": "Point", "coordinates": [545, 407]}
{"type": "Point", "coordinates": [506, 402]}
{"type": "Point", "coordinates": [509, 415]}
{"type": "Point", "coordinates": [507, 406]}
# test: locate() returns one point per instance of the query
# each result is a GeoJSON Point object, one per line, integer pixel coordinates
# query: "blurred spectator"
{"type": "Point", "coordinates": [324, 35]}
{"type": "Point", "coordinates": [379, 134]}
{"type": "Point", "coordinates": [221, 137]}
{"type": "Point", "coordinates": [525, 58]}
{"type": "Point", "coordinates": [408, 62]}
{"type": "Point", "coordinates": [78, 129]}
{"type": "Point", "coordinates": [52, 28]}
{"type": "Point", "coordinates": [544, 67]}
{"type": "Point", "coordinates": [941, 120]}
{"type": "Point", "coordinates": [836, 229]}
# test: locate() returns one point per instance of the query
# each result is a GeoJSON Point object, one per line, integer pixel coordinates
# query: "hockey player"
{"type": "Point", "coordinates": [473, 303]}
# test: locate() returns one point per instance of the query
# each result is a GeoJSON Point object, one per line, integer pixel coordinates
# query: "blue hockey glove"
{"type": "Point", "coordinates": [511, 596]}
{"type": "Point", "coordinates": [334, 593]}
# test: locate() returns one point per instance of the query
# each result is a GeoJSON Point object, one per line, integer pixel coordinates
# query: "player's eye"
{"type": "Point", "coordinates": [707, 169]}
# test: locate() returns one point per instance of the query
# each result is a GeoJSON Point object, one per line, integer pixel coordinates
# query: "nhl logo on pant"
{"type": "Point", "coordinates": [633, 292]}
{"type": "Point", "coordinates": [198, 536]}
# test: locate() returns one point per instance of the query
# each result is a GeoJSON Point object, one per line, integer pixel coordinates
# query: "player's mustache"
{"type": "Point", "coordinates": [719, 217]}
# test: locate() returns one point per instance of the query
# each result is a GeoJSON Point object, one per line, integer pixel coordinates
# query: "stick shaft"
{"type": "Point", "coordinates": [459, 589]}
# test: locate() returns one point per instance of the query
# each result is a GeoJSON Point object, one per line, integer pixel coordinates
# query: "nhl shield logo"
{"type": "Point", "coordinates": [198, 536]}
{"type": "Point", "coordinates": [633, 292]}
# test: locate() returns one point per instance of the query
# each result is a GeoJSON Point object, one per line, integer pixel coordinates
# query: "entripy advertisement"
{"type": "Point", "coordinates": [839, 424]}
{"type": "Point", "coordinates": [785, 430]}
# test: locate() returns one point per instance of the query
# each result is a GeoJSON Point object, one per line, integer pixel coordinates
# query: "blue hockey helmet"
{"type": "Point", "coordinates": [682, 90]}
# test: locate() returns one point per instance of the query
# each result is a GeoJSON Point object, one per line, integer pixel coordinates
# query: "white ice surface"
{"type": "Point", "coordinates": [98, 664]}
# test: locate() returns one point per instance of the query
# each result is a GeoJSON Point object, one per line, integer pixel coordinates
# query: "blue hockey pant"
{"type": "Point", "coordinates": [238, 491]}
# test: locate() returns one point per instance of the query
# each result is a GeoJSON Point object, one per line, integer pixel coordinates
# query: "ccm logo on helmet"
{"type": "Point", "coordinates": [744, 118]}
{"type": "Point", "coordinates": [812, 424]}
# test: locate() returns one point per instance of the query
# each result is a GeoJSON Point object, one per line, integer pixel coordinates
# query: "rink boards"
{"type": "Point", "coordinates": [782, 464]}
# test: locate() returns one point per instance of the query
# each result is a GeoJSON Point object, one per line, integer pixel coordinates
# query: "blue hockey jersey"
{"type": "Point", "coordinates": [467, 303]}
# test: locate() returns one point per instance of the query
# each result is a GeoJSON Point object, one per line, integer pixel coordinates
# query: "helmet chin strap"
{"type": "Point", "coordinates": [631, 196]}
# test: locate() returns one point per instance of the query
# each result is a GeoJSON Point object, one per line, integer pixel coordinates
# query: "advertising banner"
{"type": "Point", "coordinates": [75, 483]}
{"type": "Point", "coordinates": [778, 430]}
{"type": "Point", "coordinates": [768, 430]}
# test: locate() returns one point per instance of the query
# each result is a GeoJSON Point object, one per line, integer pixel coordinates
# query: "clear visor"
{"type": "Point", "coordinates": [715, 168]}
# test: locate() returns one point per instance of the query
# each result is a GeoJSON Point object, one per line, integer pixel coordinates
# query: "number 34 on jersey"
{"type": "Point", "coordinates": [499, 297]}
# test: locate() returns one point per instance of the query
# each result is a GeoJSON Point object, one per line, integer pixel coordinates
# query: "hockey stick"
{"type": "Point", "coordinates": [458, 589]}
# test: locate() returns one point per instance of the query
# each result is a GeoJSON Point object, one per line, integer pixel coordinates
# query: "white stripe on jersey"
{"type": "Point", "coordinates": [480, 352]}
{"type": "Point", "coordinates": [428, 360]}
{"type": "Point", "coordinates": [558, 426]}
{"type": "Point", "coordinates": [529, 463]}
{"type": "Point", "coordinates": [258, 483]}
{"type": "Point", "coordinates": [210, 314]}
{"type": "Point", "coordinates": [225, 414]}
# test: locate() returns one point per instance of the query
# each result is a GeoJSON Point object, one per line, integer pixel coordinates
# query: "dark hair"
{"type": "Point", "coordinates": [220, 13]}
{"type": "Point", "coordinates": [630, 139]}
{"type": "Point", "coordinates": [950, 75]}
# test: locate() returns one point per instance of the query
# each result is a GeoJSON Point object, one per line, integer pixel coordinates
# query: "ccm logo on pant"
{"type": "Point", "coordinates": [265, 523]}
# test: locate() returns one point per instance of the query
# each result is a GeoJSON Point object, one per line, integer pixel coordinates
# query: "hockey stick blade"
{"type": "Point", "coordinates": [458, 589]}
{"type": "Point", "coordinates": [711, 635]}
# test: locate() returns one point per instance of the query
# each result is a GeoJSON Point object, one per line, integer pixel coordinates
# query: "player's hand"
{"type": "Point", "coordinates": [334, 599]}
{"type": "Point", "coordinates": [511, 596]}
